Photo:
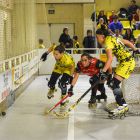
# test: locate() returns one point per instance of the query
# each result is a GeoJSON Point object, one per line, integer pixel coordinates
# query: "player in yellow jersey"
{"type": "Point", "coordinates": [64, 66]}
{"type": "Point", "coordinates": [126, 65]}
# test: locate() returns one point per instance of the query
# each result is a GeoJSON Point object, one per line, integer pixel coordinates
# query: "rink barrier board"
{"type": "Point", "coordinates": [8, 101]}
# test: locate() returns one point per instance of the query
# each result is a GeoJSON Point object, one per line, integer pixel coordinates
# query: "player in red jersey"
{"type": "Point", "coordinates": [91, 66]}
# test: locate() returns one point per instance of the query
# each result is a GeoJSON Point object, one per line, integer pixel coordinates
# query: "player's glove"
{"type": "Point", "coordinates": [44, 56]}
{"type": "Point", "coordinates": [70, 79]}
{"type": "Point", "coordinates": [70, 91]}
{"type": "Point", "coordinates": [102, 75]}
{"type": "Point", "coordinates": [136, 52]}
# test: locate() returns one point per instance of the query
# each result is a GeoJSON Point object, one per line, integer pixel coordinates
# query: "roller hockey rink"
{"type": "Point", "coordinates": [25, 119]}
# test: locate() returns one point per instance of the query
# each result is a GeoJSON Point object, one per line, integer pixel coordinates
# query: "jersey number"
{"type": "Point", "coordinates": [118, 41]}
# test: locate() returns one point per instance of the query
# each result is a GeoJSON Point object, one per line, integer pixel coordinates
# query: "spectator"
{"type": "Point", "coordinates": [132, 10]}
{"type": "Point", "coordinates": [40, 45]}
{"type": "Point", "coordinates": [138, 26]}
{"type": "Point", "coordinates": [136, 18]}
{"type": "Point", "coordinates": [117, 34]}
{"type": "Point", "coordinates": [101, 15]}
{"type": "Point", "coordinates": [128, 34]}
{"type": "Point", "coordinates": [132, 40]}
{"type": "Point", "coordinates": [76, 45]}
{"type": "Point", "coordinates": [115, 25]}
{"type": "Point", "coordinates": [88, 41]}
{"type": "Point", "coordinates": [101, 21]}
{"type": "Point", "coordinates": [111, 16]}
{"type": "Point", "coordinates": [138, 41]}
{"type": "Point", "coordinates": [65, 38]}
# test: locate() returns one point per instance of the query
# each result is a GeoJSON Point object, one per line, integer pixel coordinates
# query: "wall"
{"type": "Point", "coordinates": [109, 5]}
{"type": "Point", "coordinates": [68, 13]}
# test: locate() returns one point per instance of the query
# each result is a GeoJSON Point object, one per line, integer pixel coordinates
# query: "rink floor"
{"type": "Point", "coordinates": [25, 119]}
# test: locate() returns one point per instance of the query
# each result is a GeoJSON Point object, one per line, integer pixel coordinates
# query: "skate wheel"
{"type": "Point", "coordinates": [65, 105]}
{"type": "Point", "coordinates": [92, 105]}
{"type": "Point", "coordinates": [109, 116]}
{"type": "Point", "coordinates": [113, 117]}
{"type": "Point", "coordinates": [105, 100]}
{"type": "Point", "coordinates": [52, 96]}
{"type": "Point", "coordinates": [3, 113]}
{"type": "Point", "coordinates": [95, 104]}
{"type": "Point", "coordinates": [89, 105]}
{"type": "Point", "coordinates": [55, 90]}
{"type": "Point", "coordinates": [67, 101]}
{"type": "Point", "coordinates": [126, 114]}
{"type": "Point", "coordinates": [122, 117]}
{"type": "Point", "coordinates": [49, 97]}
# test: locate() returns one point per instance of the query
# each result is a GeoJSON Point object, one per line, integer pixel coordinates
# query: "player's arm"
{"type": "Point", "coordinates": [44, 56]}
{"type": "Point", "coordinates": [78, 70]}
{"type": "Point", "coordinates": [129, 44]}
{"type": "Point", "coordinates": [72, 70]}
{"type": "Point", "coordinates": [109, 60]}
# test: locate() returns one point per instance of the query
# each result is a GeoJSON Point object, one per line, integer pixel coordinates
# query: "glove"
{"type": "Point", "coordinates": [44, 56]}
{"type": "Point", "coordinates": [102, 75]}
{"type": "Point", "coordinates": [70, 79]}
{"type": "Point", "coordinates": [135, 52]}
{"type": "Point", "coordinates": [109, 79]}
{"type": "Point", "coordinates": [70, 91]}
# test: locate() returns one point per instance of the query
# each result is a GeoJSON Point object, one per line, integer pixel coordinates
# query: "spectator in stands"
{"type": "Point", "coordinates": [40, 45]}
{"type": "Point", "coordinates": [132, 40]}
{"type": "Point", "coordinates": [101, 21]}
{"type": "Point", "coordinates": [76, 45]}
{"type": "Point", "coordinates": [136, 18]}
{"type": "Point", "coordinates": [138, 26]}
{"type": "Point", "coordinates": [65, 38]}
{"type": "Point", "coordinates": [101, 15]}
{"type": "Point", "coordinates": [138, 41]}
{"type": "Point", "coordinates": [128, 34]}
{"type": "Point", "coordinates": [88, 41]}
{"type": "Point", "coordinates": [115, 25]}
{"type": "Point", "coordinates": [111, 16]}
{"type": "Point", "coordinates": [132, 10]}
{"type": "Point", "coordinates": [117, 34]}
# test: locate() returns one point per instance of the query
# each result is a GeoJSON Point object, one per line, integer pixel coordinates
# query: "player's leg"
{"type": "Point", "coordinates": [51, 84]}
{"type": "Point", "coordinates": [92, 100]}
{"type": "Point", "coordinates": [101, 88]}
{"type": "Point", "coordinates": [120, 110]}
{"type": "Point", "coordinates": [63, 86]}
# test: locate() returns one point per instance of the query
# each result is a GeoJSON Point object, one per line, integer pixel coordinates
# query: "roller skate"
{"type": "Point", "coordinates": [50, 93]}
{"type": "Point", "coordinates": [117, 112]}
{"type": "Point", "coordinates": [99, 97]}
{"type": "Point", "coordinates": [126, 110]}
{"type": "Point", "coordinates": [63, 104]}
{"type": "Point", "coordinates": [92, 102]}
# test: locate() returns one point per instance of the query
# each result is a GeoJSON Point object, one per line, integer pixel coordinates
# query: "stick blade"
{"type": "Point", "coordinates": [60, 115]}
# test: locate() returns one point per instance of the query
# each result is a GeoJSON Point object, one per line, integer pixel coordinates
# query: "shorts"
{"type": "Point", "coordinates": [61, 70]}
{"type": "Point", "coordinates": [124, 69]}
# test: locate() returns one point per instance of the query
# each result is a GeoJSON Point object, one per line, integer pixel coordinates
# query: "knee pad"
{"type": "Point", "coordinates": [93, 79]}
{"type": "Point", "coordinates": [62, 86]}
{"type": "Point", "coordinates": [51, 86]}
{"type": "Point", "coordinates": [117, 91]}
{"type": "Point", "coordinates": [115, 83]}
{"type": "Point", "coordinates": [101, 87]}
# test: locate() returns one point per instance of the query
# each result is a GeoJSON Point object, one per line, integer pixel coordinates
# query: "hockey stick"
{"type": "Point", "coordinates": [16, 83]}
{"type": "Point", "coordinates": [45, 113]}
{"type": "Point", "coordinates": [67, 112]}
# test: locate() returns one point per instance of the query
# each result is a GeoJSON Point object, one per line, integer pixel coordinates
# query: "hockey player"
{"type": "Point", "coordinates": [91, 67]}
{"type": "Point", "coordinates": [126, 65]}
{"type": "Point", "coordinates": [64, 66]}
